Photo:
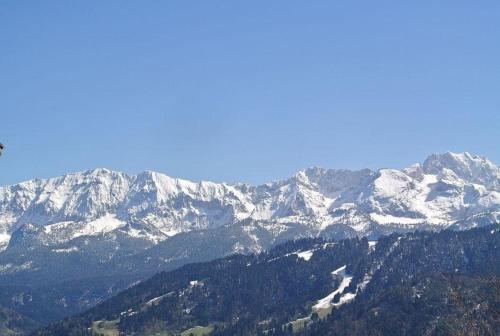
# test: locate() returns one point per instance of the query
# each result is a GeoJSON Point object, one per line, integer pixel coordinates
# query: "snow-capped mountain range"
{"type": "Point", "coordinates": [446, 189]}
{"type": "Point", "coordinates": [70, 242]}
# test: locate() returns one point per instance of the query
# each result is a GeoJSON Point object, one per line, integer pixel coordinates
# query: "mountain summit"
{"type": "Point", "coordinates": [445, 189]}
{"type": "Point", "coordinates": [72, 241]}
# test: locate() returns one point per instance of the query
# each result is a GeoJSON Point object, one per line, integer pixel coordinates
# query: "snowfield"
{"type": "Point", "coordinates": [446, 189]}
{"type": "Point", "coordinates": [326, 302]}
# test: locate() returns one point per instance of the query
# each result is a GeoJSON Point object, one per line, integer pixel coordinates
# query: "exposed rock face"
{"type": "Point", "coordinates": [150, 206]}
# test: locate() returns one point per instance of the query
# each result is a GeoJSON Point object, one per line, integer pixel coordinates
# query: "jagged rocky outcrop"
{"type": "Point", "coordinates": [444, 190]}
{"type": "Point", "coordinates": [70, 242]}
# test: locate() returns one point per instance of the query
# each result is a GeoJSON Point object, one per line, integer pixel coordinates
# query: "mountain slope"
{"type": "Point", "coordinates": [152, 207]}
{"type": "Point", "coordinates": [14, 324]}
{"type": "Point", "coordinates": [415, 284]}
{"type": "Point", "coordinates": [89, 235]}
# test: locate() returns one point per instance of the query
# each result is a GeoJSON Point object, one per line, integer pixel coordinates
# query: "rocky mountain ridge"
{"type": "Point", "coordinates": [151, 207]}
{"type": "Point", "coordinates": [70, 242]}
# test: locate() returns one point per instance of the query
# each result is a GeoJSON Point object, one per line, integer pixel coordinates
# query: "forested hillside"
{"type": "Point", "coordinates": [419, 283]}
{"type": "Point", "coordinates": [14, 324]}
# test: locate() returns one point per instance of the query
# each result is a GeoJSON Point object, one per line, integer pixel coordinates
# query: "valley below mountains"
{"type": "Point", "coordinates": [69, 243]}
{"type": "Point", "coordinates": [422, 283]}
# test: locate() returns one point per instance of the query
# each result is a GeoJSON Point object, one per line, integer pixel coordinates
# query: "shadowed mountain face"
{"type": "Point", "coordinates": [13, 323]}
{"type": "Point", "coordinates": [69, 242]}
{"type": "Point", "coordinates": [421, 283]}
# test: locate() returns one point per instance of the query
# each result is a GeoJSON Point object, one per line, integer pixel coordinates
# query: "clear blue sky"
{"type": "Point", "coordinates": [244, 90]}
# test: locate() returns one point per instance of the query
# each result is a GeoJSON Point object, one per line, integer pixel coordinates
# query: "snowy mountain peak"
{"type": "Point", "coordinates": [446, 188]}
{"type": "Point", "coordinates": [466, 166]}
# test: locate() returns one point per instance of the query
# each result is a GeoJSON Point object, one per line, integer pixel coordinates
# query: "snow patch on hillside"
{"type": "Point", "coordinates": [4, 240]}
{"type": "Point", "coordinates": [389, 219]}
{"type": "Point", "coordinates": [102, 225]}
{"type": "Point", "coordinates": [326, 302]}
{"type": "Point", "coordinates": [305, 255]}
{"type": "Point", "coordinates": [66, 250]}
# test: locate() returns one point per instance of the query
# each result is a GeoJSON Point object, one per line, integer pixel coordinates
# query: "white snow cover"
{"type": "Point", "coordinates": [11, 268]}
{"type": "Point", "coordinates": [305, 255]}
{"type": "Point", "coordinates": [4, 240]}
{"type": "Point", "coordinates": [445, 189]}
{"type": "Point", "coordinates": [388, 219]}
{"type": "Point", "coordinates": [157, 299]}
{"type": "Point", "coordinates": [326, 302]}
{"type": "Point", "coordinates": [66, 250]}
{"type": "Point", "coordinates": [101, 225]}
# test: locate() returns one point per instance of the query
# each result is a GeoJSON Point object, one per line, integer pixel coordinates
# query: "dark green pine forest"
{"type": "Point", "coordinates": [421, 283]}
